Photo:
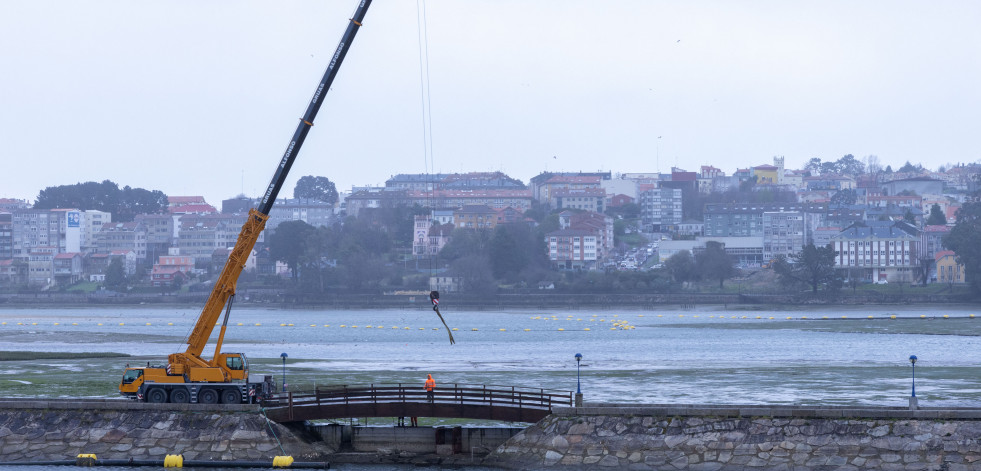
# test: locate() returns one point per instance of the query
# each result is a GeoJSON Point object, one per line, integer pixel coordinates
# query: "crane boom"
{"type": "Point", "coordinates": [188, 366]}
{"type": "Point", "coordinates": [225, 285]}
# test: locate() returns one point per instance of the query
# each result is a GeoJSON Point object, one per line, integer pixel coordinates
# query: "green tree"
{"type": "Point", "coordinates": [514, 250]}
{"type": "Point", "coordinates": [812, 266]}
{"type": "Point", "coordinates": [936, 217]}
{"type": "Point", "coordinates": [909, 217]}
{"type": "Point", "coordinates": [116, 275]}
{"type": "Point", "coordinates": [965, 240]}
{"type": "Point", "coordinates": [475, 271]}
{"type": "Point", "coordinates": [681, 266]}
{"type": "Point", "coordinates": [813, 166]}
{"type": "Point", "coordinates": [910, 168]}
{"type": "Point", "coordinates": [288, 244]}
{"type": "Point", "coordinates": [315, 188]}
{"type": "Point", "coordinates": [715, 263]}
{"type": "Point", "coordinates": [849, 165]}
{"type": "Point", "coordinates": [124, 204]}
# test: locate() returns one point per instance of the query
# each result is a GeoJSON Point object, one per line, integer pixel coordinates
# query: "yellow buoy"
{"type": "Point", "coordinates": [174, 461]}
{"type": "Point", "coordinates": [282, 461]}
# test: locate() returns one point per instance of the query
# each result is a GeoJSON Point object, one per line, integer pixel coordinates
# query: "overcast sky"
{"type": "Point", "coordinates": [201, 97]}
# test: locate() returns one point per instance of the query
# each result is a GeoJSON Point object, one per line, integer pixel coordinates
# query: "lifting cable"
{"type": "Point", "coordinates": [429, 161]}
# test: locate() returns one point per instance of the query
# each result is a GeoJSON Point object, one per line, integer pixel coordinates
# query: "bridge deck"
{"type": "Point", "coordinates": [505, 403]}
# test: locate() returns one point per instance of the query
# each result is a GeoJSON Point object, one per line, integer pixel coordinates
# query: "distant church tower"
{"type": "Point", "coordinates": [778, 163]}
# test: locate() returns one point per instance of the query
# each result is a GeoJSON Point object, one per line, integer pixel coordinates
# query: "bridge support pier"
{"type": "Point", "coordinates": [578, 402]}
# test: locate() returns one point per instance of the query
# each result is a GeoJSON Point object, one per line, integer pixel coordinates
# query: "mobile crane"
{"type": "Point", "coordinates": [188, 377]}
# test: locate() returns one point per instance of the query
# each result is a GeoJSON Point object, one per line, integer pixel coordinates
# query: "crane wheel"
{"type": "Point", "coordinates": [156, 396]}
{"type": "Point", "coordinates": [180, 396]}
{"type": "Point", "coordinates": [231, 396]}
{"type": "Point", "coordinates": [207, 396]}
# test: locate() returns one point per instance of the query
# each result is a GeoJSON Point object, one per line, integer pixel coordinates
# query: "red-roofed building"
{"type": "Point", "coordinates": [166, 276]}
{"type": "Point", "coordinates": [13, 271]}
{"type": "Point", "coordinates": [509, 215]}
{"type": "Point", "coordinates": [620, 200]}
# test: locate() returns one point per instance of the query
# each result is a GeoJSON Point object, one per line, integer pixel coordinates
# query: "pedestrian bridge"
{"type": "Point", "coordinates": [504, 403]}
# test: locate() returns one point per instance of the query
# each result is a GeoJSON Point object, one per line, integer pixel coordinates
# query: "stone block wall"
{"type": "Point", "coordinates": [31, 435]}
{"type": "Point", "coordinates": [706, 442]}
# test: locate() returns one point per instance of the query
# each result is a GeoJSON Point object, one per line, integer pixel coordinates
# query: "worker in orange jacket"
{"type": "Point", "coordinates": [430, 386]}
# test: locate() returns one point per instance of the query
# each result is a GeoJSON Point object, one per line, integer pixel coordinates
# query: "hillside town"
{"type": "Point", "coordinates": [884, 225]}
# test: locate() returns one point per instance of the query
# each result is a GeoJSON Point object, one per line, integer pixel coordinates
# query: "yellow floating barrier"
{"type": "Point", "coordinates": [282, 461]}
{"type": "Point", "coordinates": [922, 316]}
{"type": "Point", "coordinates": [257, 324]}
{"type": "Point", "coordinates": [587, 328]}
{"type": "Point", "coordinates": [503, 330]}
{"type": "Point", "coordinates": [455, 329]}
{"type": "Point", "coordinates": [561, 329]}
{"type": "Point", "coordinates": [892, 316]}
{"type": "Point", "coordinates": [473, 329]}
{"type": "Point", "coordinates": [60, 324]}
{"type": "Point", "coordinates": [174, 461]}
{"type": "Point", "coordinates": [946, 316]}
{"type": "Point", "coordinates": [282, 325]}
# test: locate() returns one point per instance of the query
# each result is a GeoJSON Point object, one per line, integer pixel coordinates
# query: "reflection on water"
{"type": "Point", "coordinates": [706, 356]}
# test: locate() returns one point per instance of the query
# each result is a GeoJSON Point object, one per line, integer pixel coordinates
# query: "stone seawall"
{"type": "Point", "coordinates": [55, 430]}
{"type": "Point", "coordinates": [734, 438]}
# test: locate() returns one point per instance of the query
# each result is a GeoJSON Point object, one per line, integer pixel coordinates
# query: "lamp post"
{"type": "Point", "coordinates": [578, 382]}
{"type": "Point", "coordinates": [912, 398]}
{"type": "Point", "coordinates": [283, 356]}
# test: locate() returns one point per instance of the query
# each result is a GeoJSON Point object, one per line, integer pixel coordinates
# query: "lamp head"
{"type": "Point", "coordinates": [283, 355]}
{"type": "Point", "coordinates": [578, 357]}
{"type": "Point", "coordinates": [912, 359]}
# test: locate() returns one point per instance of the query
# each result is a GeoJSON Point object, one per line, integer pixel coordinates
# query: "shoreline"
{"type": "Point", "coordinates": [572, 302]}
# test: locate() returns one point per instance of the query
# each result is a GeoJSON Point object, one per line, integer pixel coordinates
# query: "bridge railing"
{"type": "Point", "coordinates": [463, 394]}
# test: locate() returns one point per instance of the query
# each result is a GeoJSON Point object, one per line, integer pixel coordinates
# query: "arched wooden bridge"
{"type": "Point", "coordinates": [504, 403]}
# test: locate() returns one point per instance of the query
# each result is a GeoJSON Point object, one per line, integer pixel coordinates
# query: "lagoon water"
{"type": "Point", "coordinates": [850, 356]}
{"type": "Point", "coordinates": [840, 356]}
